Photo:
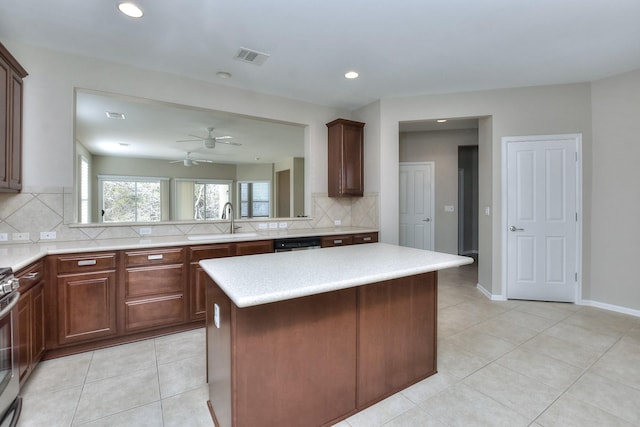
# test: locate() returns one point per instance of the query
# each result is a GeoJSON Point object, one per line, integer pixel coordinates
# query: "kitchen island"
{"type": "Point", "coordinates": [308, 338]}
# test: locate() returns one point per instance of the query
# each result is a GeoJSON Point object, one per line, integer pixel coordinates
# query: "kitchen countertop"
{"type": "Point", "coordinates": [18, 256]}
{"type": "Point", "coordinates": [261, 279]}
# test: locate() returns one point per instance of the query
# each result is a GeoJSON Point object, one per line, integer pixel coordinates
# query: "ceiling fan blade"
{"type": "Point", "coordinates": [203, 160]}
{"type": "Point", "coordinates": [200, 138]}
{"type": "Point", "coordinates": [229, 143]}
{"type": "Point", "coordinates": [189, 140]}
{"type": "Point", "coordinates": [176, 161]}
{"type": "Point", "coordinates": [223, 137]}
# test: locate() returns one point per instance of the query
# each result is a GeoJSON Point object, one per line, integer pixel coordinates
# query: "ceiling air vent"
{"type": "Point", "coordinates": [114, 115]}
{"type": "Point", "coordinates": [251, 56]}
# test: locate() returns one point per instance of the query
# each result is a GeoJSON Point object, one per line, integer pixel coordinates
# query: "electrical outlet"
{"type": "Point", "coordinates": [337, 222]}
{"type": "Point", "coordinates": [273, 225]}
{"type": "Point", "coordinates": [4, 237]}
{"type": "Point", "coordinates": [20, 236]}
{"type": "Point", "coordinates": [282, 225]}
{"type": "Point", "coordinates": [145, 231]}
{"type": "Point", "coordinates": [262, 226]}
{"type": "Point", "coordinates": [47, 235]}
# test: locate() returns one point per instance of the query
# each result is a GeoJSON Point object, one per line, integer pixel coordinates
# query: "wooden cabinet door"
{"type": "Point", "coordinates": [86, 306]}
{"type": "Point", "coordinates": [198, 295]}
{"type": "Point", "coordinates": [254, 247]}
{"type": "Point", "coordinates": [15, 171]}
{"type": "Point", "coordinates": [346, 158]}
{"type": "Point", "coordinates": [4, 124]}
{"type": "Point", "coordinates": [24, 334]}
{"type": "Point", "coordinates": [37, 323]}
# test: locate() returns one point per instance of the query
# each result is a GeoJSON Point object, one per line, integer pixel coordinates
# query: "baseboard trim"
{"type": "Point", "coordinates": [588, 303]}
{"type": "Point", "coordinates": [489, 295]}
{"type": "Point", "coordinates": [610, 307]}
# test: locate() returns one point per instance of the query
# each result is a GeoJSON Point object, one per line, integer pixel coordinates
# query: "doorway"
{"type": "Point", "coordinates": [283, 192]}
{"type": "Point", "coordinates": [468, 200]}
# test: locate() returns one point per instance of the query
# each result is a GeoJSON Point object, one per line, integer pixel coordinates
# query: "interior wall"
{"type": "Point", "coordinates": [49, 109]}
{"type": "Point", "coordinates": [521, 111]}
{"type": "Point", "coordinates": [441, 147]}
{"type": "Point", "coordinates": [615, 202]}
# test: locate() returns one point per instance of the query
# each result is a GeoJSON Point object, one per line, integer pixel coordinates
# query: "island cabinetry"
{"type": "Point", "coordinates": [198, 276]}
{"type": "Point", "coordinates": [11, 75]}
{"type": "Point", "coordinates": [346, 158]}
{"type": "Point", "coordinates": [312, 383]}
{"type": "Point", "coordinates": [153, 289]}
{"type": "Point", "coordinates": [402, 315]}
{"type": "Point", "coordinates": [85, 294]}
{"type": "Point", "coordinates": [31, 338]}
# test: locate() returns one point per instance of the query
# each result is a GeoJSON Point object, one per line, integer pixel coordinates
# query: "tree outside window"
{"type": "Point", "coordinates": [126, 199]}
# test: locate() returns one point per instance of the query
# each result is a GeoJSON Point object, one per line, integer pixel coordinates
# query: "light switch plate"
{"type": "Point", "coordinates": [262, 226]}
{"type": "Point", "coordinates": [216, 315]}
{"type": "Point", "coordinates": [47, 235]}
{"type": "Point", "coordinates": [4, 237]}
{"type": "Point", "coordinates": [273, 225]}
{"type": "Point", "coordinates": [282, 225]}
{"type": "Point", "coordinates": [145, 231]}
{"type": "Point", "coordinates": [20, 236]}
{"type": "Point", "coordinates": [449, 208]}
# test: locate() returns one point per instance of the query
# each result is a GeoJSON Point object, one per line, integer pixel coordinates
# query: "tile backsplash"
{"type": "Point", "coordinates": [52, 210]}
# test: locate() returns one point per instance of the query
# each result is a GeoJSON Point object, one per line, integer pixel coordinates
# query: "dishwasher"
{"type": "Point", "coordinates": [297, 244]}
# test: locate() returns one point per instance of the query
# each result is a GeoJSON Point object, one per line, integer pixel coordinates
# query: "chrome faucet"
{"type": "Point", "coordinates": [231, 215]}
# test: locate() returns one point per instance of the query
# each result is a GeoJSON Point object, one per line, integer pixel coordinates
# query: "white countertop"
{"type": "Point", "coordinates": [261, 279]}
{"type": "Point", "coordinates": [18, 256]}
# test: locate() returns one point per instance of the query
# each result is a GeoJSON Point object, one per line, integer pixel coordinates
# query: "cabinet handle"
{"type": "Point", "coordinates": [85, 262]}
{"type": "Point", "coordinates": [31, 276]}
{"type": "Point", "coordinates": [337, 242]}
{"type": "Point", "coordinates": [367, 239]}
{"type": "Point", "coordinates": [154, 257]}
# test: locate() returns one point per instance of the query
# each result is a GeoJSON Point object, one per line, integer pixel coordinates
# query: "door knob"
{"type": "Point", "coordinates": [426, 220]}
{"type": "Point", "coordinates": [514, 228]}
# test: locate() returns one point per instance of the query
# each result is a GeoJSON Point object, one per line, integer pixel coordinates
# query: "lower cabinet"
{"type": "Point", "coordinates": [30, 336]}
{"type": "Point", "coordinates": [153, 289]}
{"type": "Point", "coordinates": [197, 290]}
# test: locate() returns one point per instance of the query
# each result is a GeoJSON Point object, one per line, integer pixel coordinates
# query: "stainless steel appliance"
{"type": "Point", "coordinates": [10, 402]}
{"type": "Point", "coordinates": [297, 244]}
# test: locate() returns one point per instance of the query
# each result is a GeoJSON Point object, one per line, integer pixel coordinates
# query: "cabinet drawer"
{"type": "Point", "coordinates": [199, 253]}
{"type": "Point", "coordinates": [153, 257]}
{"type": "Point", "coordinates": [30, 275]}
{"type": "Point", "coordinates": [253, 248]}
{"type": "Point", "coordinates": [365, 238]}
{"type": "Point", "coordinates": [330, 241]}
{"type": "Point", "coordinates": [154, 312]}
{"type": "Point", "coordinates": [145, 281]}
{"type": "Point", "coordinates": [86, 262]}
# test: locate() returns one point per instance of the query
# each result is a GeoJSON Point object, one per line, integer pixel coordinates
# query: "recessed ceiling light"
{"type": "Point", "coordinates": [130, 9]}
{"type": "Point", "coordinates": [114, 115]}
{"type": "Point", "coordinates": [351, 75]}
{"type": "Point", "coordinates": [441, 120]}
{"type": "Point", "coordinates": [223, 75]}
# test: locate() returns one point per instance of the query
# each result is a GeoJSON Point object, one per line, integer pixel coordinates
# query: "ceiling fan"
{"type": "Point", "coordinates": [188, 161]}
{"type": "Point", "coordinates": [210, 140]}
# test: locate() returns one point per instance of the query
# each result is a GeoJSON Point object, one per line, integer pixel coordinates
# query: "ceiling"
{"type": "Point", "coordinates": [400, 48]}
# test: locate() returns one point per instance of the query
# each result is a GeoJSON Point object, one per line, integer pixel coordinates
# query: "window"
{"type": "Point", "coordinates": [200, 199]}
{"type": "Point", "coordinates": [83, 214]}
{"type": "Point", "coordinates": [130, 199]}
{"type": "Point", "coordinates": [254, 199]}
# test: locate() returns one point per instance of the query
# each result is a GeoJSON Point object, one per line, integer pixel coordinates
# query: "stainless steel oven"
{"type": "Point", "coordinates": [10, 402]}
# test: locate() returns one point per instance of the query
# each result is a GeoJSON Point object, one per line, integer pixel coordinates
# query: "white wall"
{"type": "Point", "coordinates": [522, 111]}
{"type": "Point", "coordinates": [615, 200]}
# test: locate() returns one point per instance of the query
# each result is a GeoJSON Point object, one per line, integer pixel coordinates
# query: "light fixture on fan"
{"type": "Point", "coordinates": [210, 141]}
{"type": "Point", "coordinates": [188, 161]}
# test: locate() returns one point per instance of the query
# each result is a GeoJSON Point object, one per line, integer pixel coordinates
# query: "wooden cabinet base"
{"type": "Point", "coordinates": [316, 360]}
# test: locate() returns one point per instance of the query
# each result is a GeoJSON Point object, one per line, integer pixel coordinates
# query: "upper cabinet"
{"type": "Point", "coordinates": [11, 75]}
{"type": "Point", "coordinates": [346, 158]}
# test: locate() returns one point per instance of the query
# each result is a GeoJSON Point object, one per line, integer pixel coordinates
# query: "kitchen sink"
{"type": "Point", "coordinates": [221, 236]}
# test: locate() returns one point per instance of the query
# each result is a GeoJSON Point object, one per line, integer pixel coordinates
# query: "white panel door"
{"type": "Point", "coordinates": [416, 205]}
{"type": "Point", "coordinates": [542, 219]}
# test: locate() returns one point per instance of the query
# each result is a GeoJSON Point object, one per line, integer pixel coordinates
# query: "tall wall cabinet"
{"type": "Point", "coordinates": [11, 75]}
{"type": "Point", "coordinates": [346, 158]}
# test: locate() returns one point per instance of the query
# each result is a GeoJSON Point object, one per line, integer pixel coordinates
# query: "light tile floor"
{"type": "Point", "coordinates": [510, 363]}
